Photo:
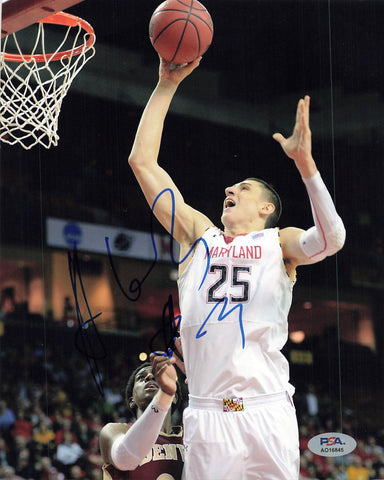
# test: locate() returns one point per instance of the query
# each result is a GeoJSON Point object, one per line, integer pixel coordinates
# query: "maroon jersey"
{"type": "Point", "coordinates": [164, 462]}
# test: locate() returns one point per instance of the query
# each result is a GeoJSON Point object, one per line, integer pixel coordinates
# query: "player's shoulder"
{"type": "Point", "coordinates": [290, 233]}
{"type": "Point", "coordinates": [290, 244]}
{"type": "Point", "coordinates": [201, 224]}
{"type": "Point", "coordinates": [113, 428]}
{"type": "Point", "coordinates": [191, 226]}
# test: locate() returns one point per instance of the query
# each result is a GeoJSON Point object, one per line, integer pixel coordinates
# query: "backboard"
{"type": "Point", "coordinates": [18, 14]}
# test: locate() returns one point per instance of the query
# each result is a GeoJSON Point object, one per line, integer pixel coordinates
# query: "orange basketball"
{"type": "Point", "coordinates": [181, 30]}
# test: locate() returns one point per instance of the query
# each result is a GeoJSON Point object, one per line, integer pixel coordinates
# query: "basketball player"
{"type": "Point", "coordinates": [235, 288]}
{"type": "Point", "coordinates": [150, 392]}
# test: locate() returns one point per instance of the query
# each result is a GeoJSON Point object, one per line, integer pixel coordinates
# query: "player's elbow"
{"type": "Point", "coordinates": [132, 160]}
{"type": "Point", "coordinates": [318, 244]}
{"type": "Point", "coordinates": [122, 458]}
{"type": "Point", "coordinates": [336, 238]}
{"type": "Point", "coordinates": [137, 165]}
{"type": "Point", "coordinates": [141, 165]}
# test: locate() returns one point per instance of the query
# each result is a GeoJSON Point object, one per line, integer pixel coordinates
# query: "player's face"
{"type": "Point", "coordinates": [144, 388]}
{"type": "Point", "coordinates": [242, 204]}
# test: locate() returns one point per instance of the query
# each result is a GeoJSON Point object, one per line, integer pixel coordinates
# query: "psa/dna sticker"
{"type": "Point", "coordinates": [332, 444]}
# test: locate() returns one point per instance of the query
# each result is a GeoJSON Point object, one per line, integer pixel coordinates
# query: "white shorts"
{"type": "Point", "coordinates": [260, 442]}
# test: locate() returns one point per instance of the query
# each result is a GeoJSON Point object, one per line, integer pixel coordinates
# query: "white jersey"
{"type": "Point", "coordinates": [234, 304]}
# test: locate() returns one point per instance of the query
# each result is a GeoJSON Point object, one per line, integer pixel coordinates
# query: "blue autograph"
{"type": "Point", "coordinates": [87, 332]}
{"type": "Point", "coordinates": [223, 314]}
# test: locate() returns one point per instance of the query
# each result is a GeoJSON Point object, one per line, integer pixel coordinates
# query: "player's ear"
{"type": "Point", "coordinates": [131, 402]}
{"type": "Point", "coordinates": [267, 208]}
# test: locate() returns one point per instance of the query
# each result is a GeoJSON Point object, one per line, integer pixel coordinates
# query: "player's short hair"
{"type": "Point", "coordinates": [272, 196]}
{"type": "Point", "coordinates": [132, 411]}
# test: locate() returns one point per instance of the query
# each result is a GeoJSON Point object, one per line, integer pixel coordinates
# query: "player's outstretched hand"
{"type": "Point", "coordinates": [176, 73]}
{"type": "Point", "coordinates": [164, 372]}
{"type": "Point", "coordinates": [299, 145]}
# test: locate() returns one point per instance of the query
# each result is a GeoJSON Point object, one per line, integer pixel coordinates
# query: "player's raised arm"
{"type": "Point", "coordinates": [125, 446]}
{"type": "Point", "coordinates": [328, 235]}
{"type": "Point", "coordinates": [153, 180]}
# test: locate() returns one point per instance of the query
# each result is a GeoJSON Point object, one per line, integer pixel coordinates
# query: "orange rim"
{"type": "Point", "coordinates": [59, 18]}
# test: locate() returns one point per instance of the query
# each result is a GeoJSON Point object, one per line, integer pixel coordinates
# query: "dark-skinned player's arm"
{"type": "Point", "coordinates": [125, 446]}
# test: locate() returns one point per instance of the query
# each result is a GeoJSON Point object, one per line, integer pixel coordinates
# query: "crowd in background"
{"type": "Point", "coordinates": [319, 413]}
{"type": "Point", "coordinates": [52, 408]}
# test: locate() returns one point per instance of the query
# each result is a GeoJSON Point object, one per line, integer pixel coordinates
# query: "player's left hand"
{"type": "Point", "coordinates": [164, 372]}
{"type": "Point", "coordinates": [299, 145]}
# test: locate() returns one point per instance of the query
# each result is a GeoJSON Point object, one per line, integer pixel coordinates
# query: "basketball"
{"type": "Point", "coordinates": [181, 30]}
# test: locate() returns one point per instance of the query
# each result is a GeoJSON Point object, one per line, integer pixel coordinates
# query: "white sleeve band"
{"type": "Point", "coordinates": [328, 234]}
{"type": "Point", "coordinates": [129, 449]}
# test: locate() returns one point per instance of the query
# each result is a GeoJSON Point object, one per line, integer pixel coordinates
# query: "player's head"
{"type": "Point", "coordinates": [270, 195]}
{"type": "Point", "coordinates": [141, 388]}
{"type": "Point", "coordinates": [248, 202]}
{"type": "Point", "coordinates": [139, 392]}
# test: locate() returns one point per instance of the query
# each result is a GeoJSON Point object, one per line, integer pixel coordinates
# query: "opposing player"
{"type": "Point", "coordinates": [149, 448]}
{"type": "Point", "coordinates": [235, 289]}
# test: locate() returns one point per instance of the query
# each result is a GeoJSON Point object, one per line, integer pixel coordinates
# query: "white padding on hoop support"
{"type": "Point", "coordinates": [33, 85]}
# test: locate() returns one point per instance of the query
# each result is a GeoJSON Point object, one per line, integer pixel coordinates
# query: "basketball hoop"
{"type": "Point", "coordinates": [33, 85]}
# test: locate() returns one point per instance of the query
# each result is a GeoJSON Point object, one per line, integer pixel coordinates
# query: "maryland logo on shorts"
{"type": "Point", "coordinates": [232, 404]}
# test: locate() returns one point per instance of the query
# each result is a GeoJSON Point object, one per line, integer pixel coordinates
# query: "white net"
{"type": "Point", "coordinates": [33, 87]}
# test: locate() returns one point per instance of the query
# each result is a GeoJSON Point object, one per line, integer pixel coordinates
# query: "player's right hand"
{"type": "Point", "coordinates": [176, 73]}
{"type": "Point", "coordinates": [164, 372]}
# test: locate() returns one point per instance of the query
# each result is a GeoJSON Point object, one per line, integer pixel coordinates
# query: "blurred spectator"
{"type": "Point", "coordinates": [24, 465]}
{"type": "Point", "coordinates": [7, 417]}
{"type": "Point", "coordinates": [112, 394]}
{"type": "Point", "coordinates": [312, 473]}
{"type": "Point", "coordinates": [304, 437]}
{"type": "Point", "coordinates": [311, 404]}
{"type": "Point", "coordinates": [95, 422]}
{"type": "Point", "coordinates": [80, 429]}
{"type": "Point", "coordinates": [98, 475]}
{"type": "Point", "coordinates": [4, 452]}
{"type": "Point", "coordinates": [304, 463]}
{"type": "Point", "coordinates": [368, 464]}
{"type": "Point", "coordinates": [8, 473]}
{"type": "Point", "coordinates": [57, 421]}
{"type": "Point", "coordinates": [356, 471]}
{"type": "Point", "coordinates": [93, 456]}
{"type": "Point", "coordinates": [43, 439]}
{"type": "Point", "coordinates": [38, 417]}
{"type": "Point", "coordinates": [76, 473]}
{"type": "Point", "coordinates": [378, 464]}
{"type": "Point", "coordinates": [339, 474]}
{"type": "Point", "coordinates": [361, 450]}
{"type": "Point", "coordinates": [372, 448]}
{"type": "Point", "coordinates": [380, 473]}
{"type": "Point", "coordinates": [68, 453]}
{"type": "Point", "coordinates": [65, 427]}
{"type": "Point", "coordinates": [46, 471]}
{"type": "Point", "coordinates": [22, 426]}
{"type": "Point", "coordinates": [16, 446]}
